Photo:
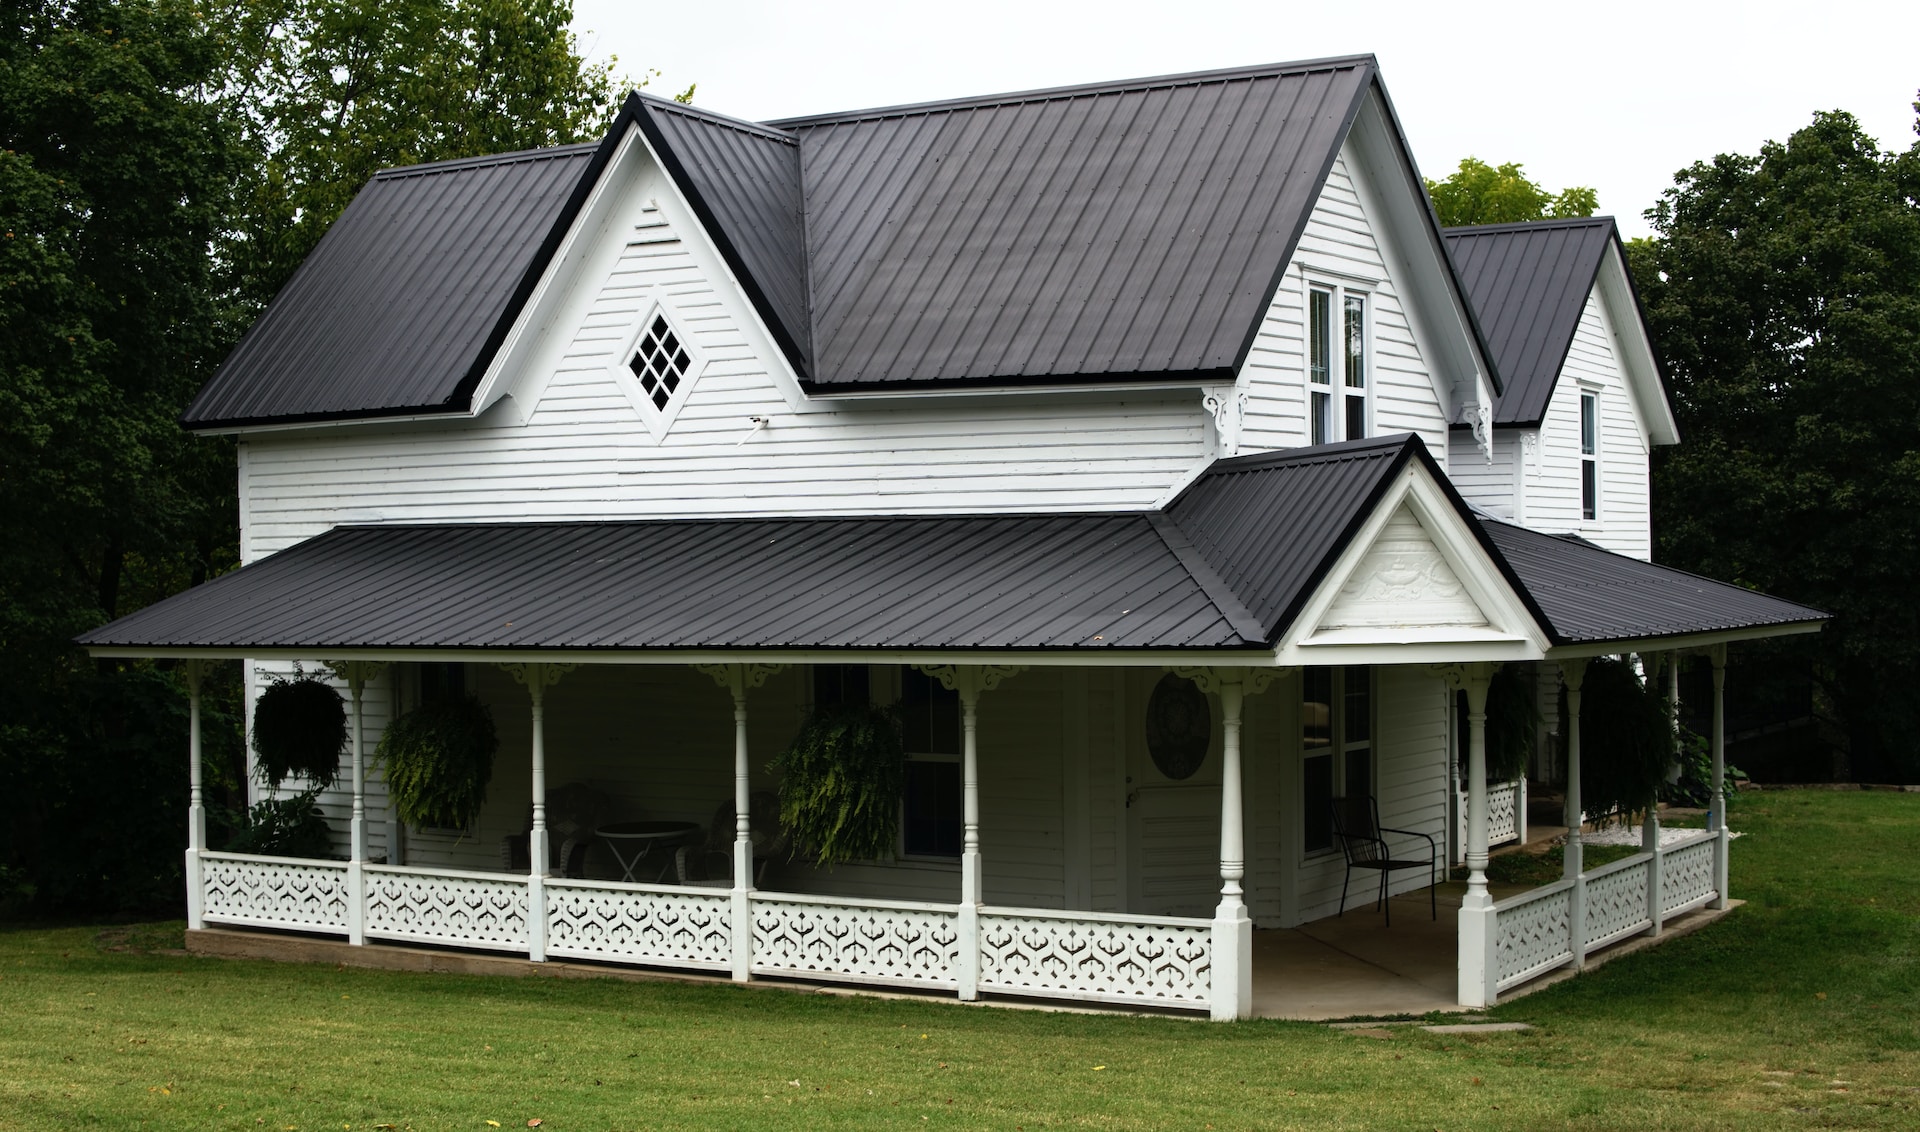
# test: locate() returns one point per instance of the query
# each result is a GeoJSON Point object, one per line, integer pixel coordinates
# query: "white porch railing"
{"type": "Point", "coordinates": [1135, 960]}
{"type": "Point", "coordinates": [1562, 923]}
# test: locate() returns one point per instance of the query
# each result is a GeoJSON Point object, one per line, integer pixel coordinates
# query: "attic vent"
{"type": "Point", "coordinates": [660, 362]}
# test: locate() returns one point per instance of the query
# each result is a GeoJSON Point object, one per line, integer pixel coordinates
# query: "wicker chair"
{"type": "Point", "coordinates": [1356, 826]}
{"type": "Point", "coordinates": [713, 858]}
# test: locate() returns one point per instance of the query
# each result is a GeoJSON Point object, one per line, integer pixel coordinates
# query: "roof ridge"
{"type": "Point", "coordinates": [1044, 94]}
{"type": "Point", "coordinates": [540, 153]}
{"type": "Point", "coordinates": [1313, 453]}
{"type": "Point", "coordinates": [1530, 225]}
{"type": "Point", "coordinates": [1217, 588]}
{"type": "Point", "coordinates": [688, 110]}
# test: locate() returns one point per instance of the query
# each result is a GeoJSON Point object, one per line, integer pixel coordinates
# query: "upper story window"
{"type": "Point", "coordinates": [1337, 377]}
{"type": "Point", "coordinates": [1589, 455]}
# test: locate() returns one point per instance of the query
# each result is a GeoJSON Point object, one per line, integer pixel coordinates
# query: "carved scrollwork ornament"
{"type": "Point", "coordinates": [971, 677]}
{"type": "Point", "coordinates": [738, 677]}
{"type": "Point", "coordinates": [1211, 678]}
{"type": "Point", "coordinates": [1228, 408]}
{"type": "Point", "coordinates": [537, 674]}
{"type": "Point", "coordinates": [356, 673]}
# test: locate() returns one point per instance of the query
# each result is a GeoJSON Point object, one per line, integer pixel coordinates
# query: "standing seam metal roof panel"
{"type": "Point", "coordinates": [399, 305]}
{"type": "Point", "coordinates": [1529, 284]}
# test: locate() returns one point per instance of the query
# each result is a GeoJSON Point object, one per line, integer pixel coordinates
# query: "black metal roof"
{"type": "Point", "coordinates": [1126, 231]}
{"type": "Point", "coordinates": [1588, 594]}
{"type": "Point", "coordinates": [1137, 580]}
{"type": "Point", "coordinates": [1528, 284]}
{"type": "Point", "coordinates": [1095, 233]}
{"type": "Point", "coordinates": [400, 307]}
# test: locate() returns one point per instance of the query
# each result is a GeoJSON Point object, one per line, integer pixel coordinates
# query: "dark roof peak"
{"type": "Point", "coordinates": [456, 164]}
{"type": "Point", "coordinates": [1339, 450]}
{"type": "Point", "coordinates": [670, 106]}
{"type": "Point", "coordinates": [1532, 225]}
{"type": "Point", "coordinates": [1076, 90]}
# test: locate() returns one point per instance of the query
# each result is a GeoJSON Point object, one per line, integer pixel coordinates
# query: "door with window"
{"type": "Point", "coordinates": [1173, 799]}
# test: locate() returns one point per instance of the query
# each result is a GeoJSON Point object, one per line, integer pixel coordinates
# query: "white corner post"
{"type": "Point", "coordinates": [1573, 674]}
{"type": "Point", "coordinates": [1232, 991]}
{"type": "Point", "coordinates": [736, 679]}
{"type": "Point", "coordinates": [1717, 808]}
{"type": "Point", "coordinates": [356, 673]}
{"type": "Point", "coordinates": [538, 677]}
{"type": "Point", "coordinates": [1479, 957]}
{"type": "Point", "coordinates": [969, 680]}
{"type": "Point", "coordinates": [193, 670]}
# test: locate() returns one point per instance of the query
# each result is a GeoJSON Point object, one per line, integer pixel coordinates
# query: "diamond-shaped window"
{"type": "Point", "coordinates": [660, 362]}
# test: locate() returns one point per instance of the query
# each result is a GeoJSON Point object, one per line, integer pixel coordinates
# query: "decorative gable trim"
{"type": "Point", "coordinates": [1414, 583]}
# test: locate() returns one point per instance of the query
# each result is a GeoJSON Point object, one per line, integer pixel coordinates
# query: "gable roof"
{"type": "Point", "coordinates": [401, 305]}
{"type": "Point", "coordinates": [1110, 233]}
{"type": "Point", "coordinates": [1529, 285]}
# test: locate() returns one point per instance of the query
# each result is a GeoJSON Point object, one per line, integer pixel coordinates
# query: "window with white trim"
{"type": "Point", "coordinates": [1337, 364]}
{"type": "Point", "coordinates": [1336, 746]}
{"type": "Point", "coordinates": [660, 362]}
{"type": "Point", "coordinates": [1589, 455]}
{"type": "Point", "coordinates": [930, 802]}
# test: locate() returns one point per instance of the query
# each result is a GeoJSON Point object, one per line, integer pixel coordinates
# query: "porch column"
{"type": "Point", "coordinates": [1232, 991]}
{"type": "Point", "coordinates": [538, 677]}
{"type": "Point", "coordinates": [736, 679]}
{"type": "Point", "coordinates": [1717, 811]}
{"type": "Point", "coordinates": [356, 673]}
{"type": "Point", "coordinates": [1573, 674]}
{"type": "Point", "coordinates": [969, 680]}
{"type": "Point", "coordinates": [192, 670]}
{"type": "Point", "coordinates": [1650, 828]}
{"type": "Point", "coordinates": [1478, 967]}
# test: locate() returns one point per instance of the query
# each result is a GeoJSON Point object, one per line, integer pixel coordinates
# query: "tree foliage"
{"type": "Point", "coordinates": [164, 166]}
{"type": "Point", "coordinates": [1783, 291]}
{"type": "Point", "coordinates": [1478, 193]}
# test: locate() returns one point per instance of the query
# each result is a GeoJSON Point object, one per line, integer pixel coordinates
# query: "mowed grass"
{"type": "Point", "coordinates": [1800, 1010]}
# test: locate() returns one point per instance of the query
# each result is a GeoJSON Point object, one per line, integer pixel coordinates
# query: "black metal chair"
{"type": "Point", "coordinates": [1356, 826]}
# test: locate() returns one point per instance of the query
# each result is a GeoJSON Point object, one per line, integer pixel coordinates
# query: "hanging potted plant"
{"type": "Point", "coordinates": [299, 728]}
{"type": "Point", "coordinates": [439, 759]}
{"type": "Point", "coordinates": [1626, 740]}
{"type": "Point", "coordinates": [840, 784]}
{"type": "Point", "coordinates": [1513, 723]}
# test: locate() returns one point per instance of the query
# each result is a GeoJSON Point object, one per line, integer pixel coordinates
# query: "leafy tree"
{"type": "Point", "coordinates": [1478, 193]}
{"type": "Point", "coordinates": [1783, 290]}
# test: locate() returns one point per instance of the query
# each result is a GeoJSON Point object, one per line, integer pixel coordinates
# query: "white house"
{"type": "Point", "coordinates": [1024, 410]}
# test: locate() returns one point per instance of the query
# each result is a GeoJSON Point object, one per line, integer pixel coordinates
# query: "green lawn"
{"type": "Point", "coordinates": [1800, 1010]}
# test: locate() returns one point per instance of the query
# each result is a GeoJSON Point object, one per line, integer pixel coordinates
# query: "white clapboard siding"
{"type": "Point", "coordinates": [567, 443]}
{"type": "Point", "coordinates": [1553, 483]}
{"type": "Point", "coordinates": [1488, 484]}
{"type": "Point", "coordinates": [1341, 245]}
{"type": "Point", "coordinates": [1410, 785]}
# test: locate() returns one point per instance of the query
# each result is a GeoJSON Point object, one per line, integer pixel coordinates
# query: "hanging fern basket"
{"type": "Point", "coordinates": [299, 729]}
{"type": "Point", "coordinates": [439, 760]}
{"type": "Point", "coordinates": [1626, 740]}
{"type": "Point", "coordinates": [840, 785]}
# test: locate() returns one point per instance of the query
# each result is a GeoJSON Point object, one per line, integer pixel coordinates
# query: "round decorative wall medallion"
{"type": "Point", "coordinates": [1179, 726]}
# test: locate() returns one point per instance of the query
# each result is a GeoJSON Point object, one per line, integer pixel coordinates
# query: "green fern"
{"type": "Point", "coordinates": [439, 759]}
{"type": "Point", "coordinates": [840, 784]}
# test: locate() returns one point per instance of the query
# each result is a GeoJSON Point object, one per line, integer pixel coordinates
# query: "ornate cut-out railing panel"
{"type": "Point", "coordinates": [1503, 813]}
{"type": "Point", "coordinates": [443, 906]}
{"type": "Point", "coordinates": [670, 927]}
{"type": "Point", "coordinates": [1686, 874]}
{"type": "Point", "coordinates": [867, 941]}
{"type": "Point", "coordinates": [275, 892]}
{"type": "Point", "coordinates": [1617, 901]}
{"type": "Point", "coordinates": [1536, 933]}
{"type": "Point", "coordinates": [1110, 959]}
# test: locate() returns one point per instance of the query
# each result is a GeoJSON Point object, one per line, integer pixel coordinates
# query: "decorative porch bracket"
{"type": "Point", "coordinates": [193, 671]}
{"type": "Point", "coordinates": [1232, 994]}
{"type": "Point", "coordinates": [356, 673]}
{"type": "Point", "coordinates": [970, 680]}
{"type": "Point", "coordinates": [1479, 965]}
{"type": "Point", "coordinates": [737, 679]}
{"type": "Point", "coordinates": [537, 677]}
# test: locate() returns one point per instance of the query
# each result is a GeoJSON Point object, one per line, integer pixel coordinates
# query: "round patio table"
{"type": "Point", "coordinates": [641, 838]}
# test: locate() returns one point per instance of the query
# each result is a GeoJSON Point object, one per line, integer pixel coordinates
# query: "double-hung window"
{"type": "Point", "coordinates": [1336, 746]}
{"type": "Point", "coordinates": [1337, 362]}
{"type": "Point", "coordinates": [1589, 455]}
{"type": "Point", "coordinates": [930, 805]}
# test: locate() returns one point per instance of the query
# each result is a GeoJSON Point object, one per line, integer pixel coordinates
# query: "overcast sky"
{"type": "Point", "coordinates": [1613, 95]}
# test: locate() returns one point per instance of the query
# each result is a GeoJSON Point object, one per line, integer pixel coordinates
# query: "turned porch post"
{"type": "Point", "coordinates": [537, 677]}
{"type": "Point", "coordinates": [1232, 992]}
{"type": "Point", "coordinates": [1717, 812]}
{"type": "Point", "coordinates": [356, 673]}
{"type": "Point", "coordinates": [1573, 674]}
{"type": "Point", "coordinates": [1478, 967]}
{"type": "Point", "coordinates": [737, 679]}
{"type": "Point", "coordinates": [193, 670]}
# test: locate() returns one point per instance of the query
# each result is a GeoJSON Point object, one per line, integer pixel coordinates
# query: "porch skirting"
{"type": "Point", "coordinates": [1158, 961]}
